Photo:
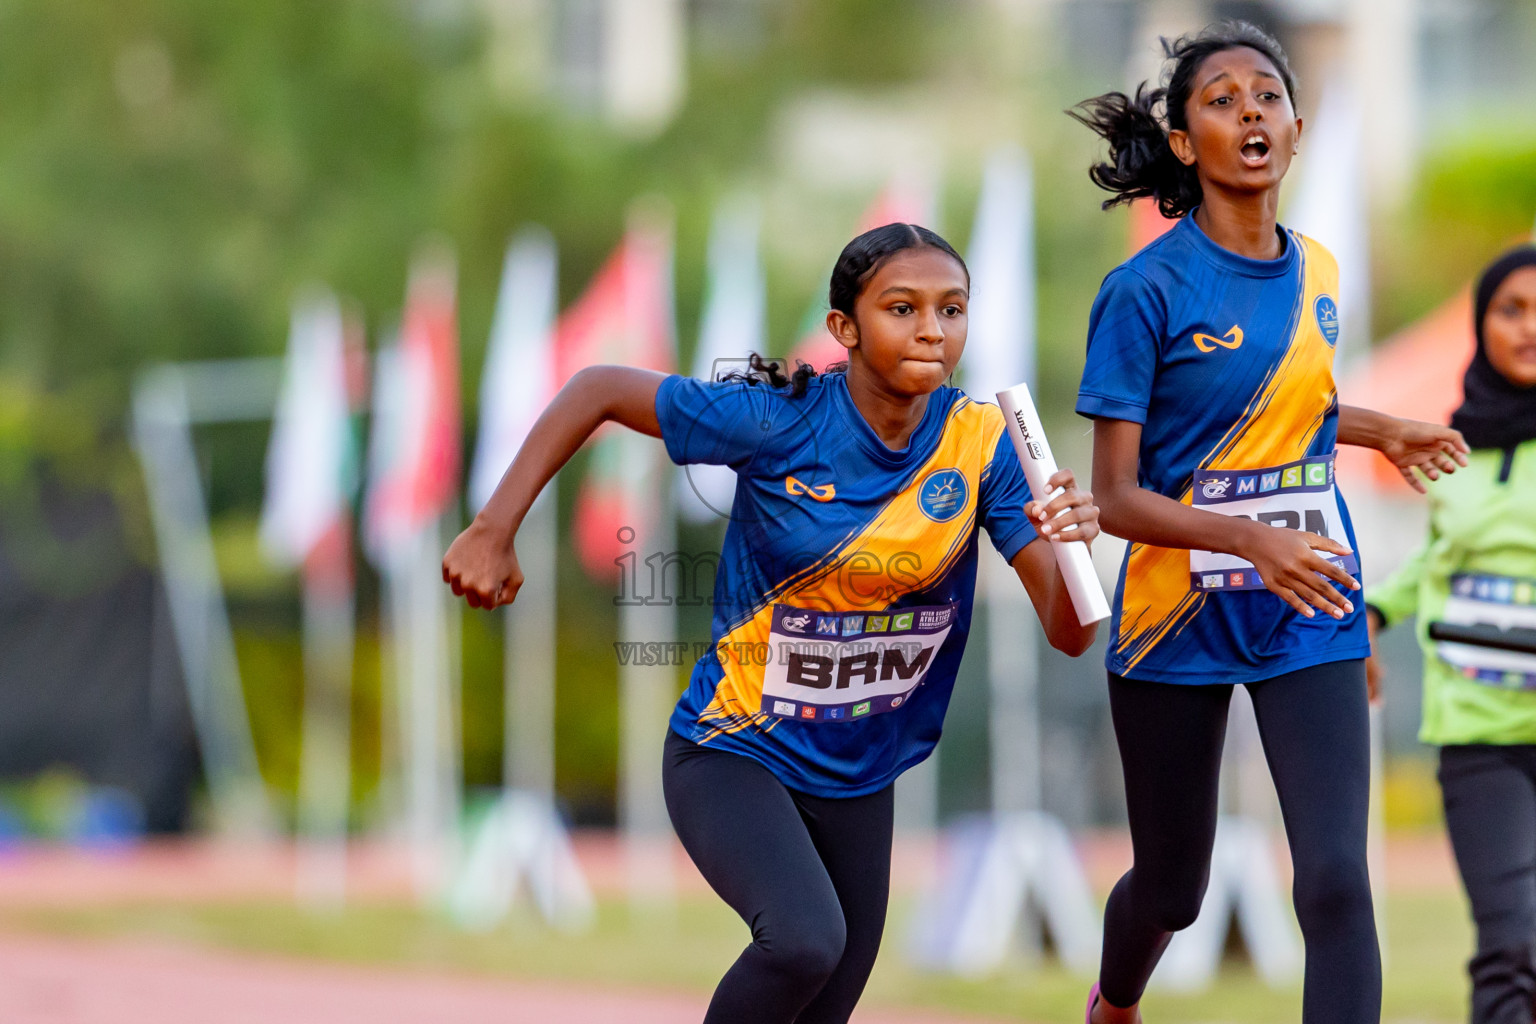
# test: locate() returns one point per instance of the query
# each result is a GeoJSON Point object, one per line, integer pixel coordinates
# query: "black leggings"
{"type": "Point", "coordinates": [1490, 812]}
{"type": "Point", "coordinates": [810, 876]}
{"type": "Point", "coordinates": [1316, 737]}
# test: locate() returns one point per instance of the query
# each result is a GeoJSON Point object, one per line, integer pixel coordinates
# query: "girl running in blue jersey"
{"type": "Point", "coordinates": [1209, 380]}
{"type": "Point", "coordinates": [841, 607]}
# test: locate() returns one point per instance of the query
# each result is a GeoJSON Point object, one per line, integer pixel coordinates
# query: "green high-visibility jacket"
{"type": "Point", "coordinates": [1476, 525]}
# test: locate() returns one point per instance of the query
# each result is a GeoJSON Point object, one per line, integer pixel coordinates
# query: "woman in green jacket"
{"type": "Point", "coordinates": [1478, 568]}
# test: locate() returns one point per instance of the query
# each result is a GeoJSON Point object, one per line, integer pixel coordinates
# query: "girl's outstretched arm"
{"type": "Point", "coordinates": [480, 564]}
{"type": "Point", "coordinates": [1407, 444]}
{"type": "Point", "coordinates": [1036, 562]}
{"type": "Point", "coordinates": [1287, 560]}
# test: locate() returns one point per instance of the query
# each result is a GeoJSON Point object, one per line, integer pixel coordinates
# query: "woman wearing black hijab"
{"type": "Point", "coordinates": [1474, 579]}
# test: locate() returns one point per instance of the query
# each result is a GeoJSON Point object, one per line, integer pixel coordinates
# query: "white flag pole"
{"type": "Point", "coordinates": [409, 506]}
{"type": "Point", "coordinates": [648, 691]}
{"type": "Point", "coordinates": [424, 707]}
{"type": "Point", "coordinates": [325, 770]}
{"type": "Point", "coordinates": [305, 520]}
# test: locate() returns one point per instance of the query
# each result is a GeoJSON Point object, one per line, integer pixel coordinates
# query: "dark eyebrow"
{"type": "Point", "coordinates": [1227, 74]}
{"type": "Point", "coordinates": [905, 290]}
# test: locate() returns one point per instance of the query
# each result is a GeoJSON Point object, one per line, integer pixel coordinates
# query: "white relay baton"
{"type": "Point", "coordinates": [1034, 453]}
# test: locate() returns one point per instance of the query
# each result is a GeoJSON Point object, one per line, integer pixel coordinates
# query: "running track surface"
{"type": "Point", "coordinates": [58, 981]}
{"type": "Point", "coordinates": [122, 981]}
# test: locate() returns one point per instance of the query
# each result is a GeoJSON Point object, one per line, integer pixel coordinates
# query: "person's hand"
{"type": "Point", "coordinates": [1290, 566]}
{"type": "Point", "coordinates": [481, 566]}
{"type": "Point", "coordinates": [1374, 673]}
{"type": "Point", "coordinates": [1070, 508]}
{"type": "Point", "coordinates": [1427, 447]}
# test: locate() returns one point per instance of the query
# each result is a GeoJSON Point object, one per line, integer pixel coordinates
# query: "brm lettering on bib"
{"type": "Point", "coordinates": [1505, 602]}
{"type": "Point", "coordinates": [843, 666]}
{"type": "Point", "coordinates": [1295, 496]}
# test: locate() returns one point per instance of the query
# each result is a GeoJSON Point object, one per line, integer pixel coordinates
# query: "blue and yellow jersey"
{"type": "Point", "coordinates": [1227, 363]}
{"type": "Point", "coordinates": [843, 595]}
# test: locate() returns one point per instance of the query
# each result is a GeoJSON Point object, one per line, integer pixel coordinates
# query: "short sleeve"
{"type": "Point", "coordinates": [716, 423]}
{"type": "Point", "coordinates": [1125, 330]}
{"type": "Point", "coordinates": [1000, 505]}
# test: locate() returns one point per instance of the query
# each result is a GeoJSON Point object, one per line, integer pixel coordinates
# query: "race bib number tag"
{"type": "Point", "coordinates": [1505, 602]}
{"type": "Point", "coordinates": [1295, 496]}
{"type": "Point", "coordinates": [844, 666]}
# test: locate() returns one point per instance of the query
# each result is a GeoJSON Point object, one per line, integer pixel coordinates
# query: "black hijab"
{"type": "Point", "coordinates": [1495, 413]}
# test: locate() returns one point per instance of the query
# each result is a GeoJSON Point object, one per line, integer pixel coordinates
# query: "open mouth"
{"type": "Point", "coordinates": [1255, 149]}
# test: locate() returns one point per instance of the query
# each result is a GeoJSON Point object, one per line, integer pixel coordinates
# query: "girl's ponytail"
{"type": "Point", "coordinates": [1140, 164]}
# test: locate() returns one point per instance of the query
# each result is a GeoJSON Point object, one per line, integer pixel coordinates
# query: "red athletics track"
{"type": "Point", "coordinates": [57, 981]}
{"type": "Point", "coordinates": [48, 980]}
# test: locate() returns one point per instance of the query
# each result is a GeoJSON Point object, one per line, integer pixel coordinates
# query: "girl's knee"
{"type": "Point", "coordinates": [1332, 891]}
{"type": "Point", "coordinates": [806, 948]}
{"type": "Point", "coordinates": [1175, 911]}
{"type": "Point", "coordinates": [1172, 903]}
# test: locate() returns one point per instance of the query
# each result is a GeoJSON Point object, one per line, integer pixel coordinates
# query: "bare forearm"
{"type": "Point", "coordinates": [1036, 565]}
{"type": "Point", "coordinates": [1063, 630]}
{"type": "Point", "coordinates": [1136, 514]}
{"type": "Point", "coordinates": [1146, 517]}
{"type": "Point", "coordinates": [591, 398]}
{"type": "Point", "coordinates": [1365, 428]}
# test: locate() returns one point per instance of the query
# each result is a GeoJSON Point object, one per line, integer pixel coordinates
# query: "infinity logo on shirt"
{"type": "Point", "coordinates": [1232, 339]}
{"type": "Point", "coordinates": [794, 487]}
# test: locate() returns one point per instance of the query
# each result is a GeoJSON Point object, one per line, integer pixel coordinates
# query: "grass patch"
{"type": "Point", "coordinates": [1428, 940]}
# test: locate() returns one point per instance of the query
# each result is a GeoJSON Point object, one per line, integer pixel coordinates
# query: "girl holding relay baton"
{"type": "Point", "coordinates": [850, 558]}
{"type": "Point", "coordinates": [1209, 379]}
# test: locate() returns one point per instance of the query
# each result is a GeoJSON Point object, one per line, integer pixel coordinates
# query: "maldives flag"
{"type": "Point", "coordinates": [903, 201]}
{"type": "Point", "coordinates": [416, 463]}
{"type": "Point", "coordinates": [625, 317]}
{"type": "Point", "coordinates": [311, 459]}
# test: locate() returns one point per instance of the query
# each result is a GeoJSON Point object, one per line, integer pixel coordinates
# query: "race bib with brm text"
{"type": "Point", "coordinates": [1296, 496]}
{"type": "Point", "coordinates": [843, 666]}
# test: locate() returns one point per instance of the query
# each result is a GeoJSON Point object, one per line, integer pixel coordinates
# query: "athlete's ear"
{"type": "Point", "coordinates": [1178, 141]}
{"type": "Point", "coordinates": [841, 326]}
